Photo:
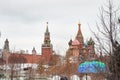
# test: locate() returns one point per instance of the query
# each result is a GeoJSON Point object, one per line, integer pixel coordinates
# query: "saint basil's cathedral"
{"type": "Point", "coordinates": [78, 51]}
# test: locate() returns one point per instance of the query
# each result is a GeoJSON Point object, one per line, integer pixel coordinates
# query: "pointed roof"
{"type": "Point", "coordinates": [6, 45]}
{"type": "Point", "coordinates": [33, 51]}
{"type": "Point", "coordinates": [91, 42]}
{"type": "Point", "coordinates": [79, 33]}
{"type": "Point", "coordinates": [6, 41]}
{"type": "Point", "coordinates": [70, 42]}
{"type": "Point", "coordinates": [47, 30]}
{"type": "Point", "coordinates": [79, 36]}
{"type": "Point", "coordinates": [47, 41]}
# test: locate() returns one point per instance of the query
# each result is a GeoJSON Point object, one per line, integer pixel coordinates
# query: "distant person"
{"type": "Point", "coordinates": [63, 78]}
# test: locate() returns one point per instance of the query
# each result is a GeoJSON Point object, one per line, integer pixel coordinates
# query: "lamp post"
{"type": "Point", "coordinates": [86, 76]}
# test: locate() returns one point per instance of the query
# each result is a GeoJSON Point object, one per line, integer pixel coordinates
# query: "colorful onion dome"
{"type": "Point", "coordinates": [75, 42]}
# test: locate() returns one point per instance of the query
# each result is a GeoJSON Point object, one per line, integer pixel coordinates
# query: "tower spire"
{"type": "Point", "coordinates": [79, 30]}
{"type": "Point", "coordinates": [6, 45]}
{"type": "Point", "coordinates": [47, 48]}
{"type": "Point", "coordinates": [79, 24]}
{"type": "Point", "coordinates": [47, 30]}
{"type": "Point", "coordinates": [47, 41]}
{"type": "Point", "coordinates": [33, 51]}
{"type": "Point", "coordinates": [79, 35]}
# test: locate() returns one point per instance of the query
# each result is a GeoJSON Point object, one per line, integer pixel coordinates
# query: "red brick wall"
{"type": "Point", "coordinates": [47, 52]}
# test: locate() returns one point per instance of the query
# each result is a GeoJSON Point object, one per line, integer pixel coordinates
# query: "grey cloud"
{"type": "Point", "coordinates": [33, 10]}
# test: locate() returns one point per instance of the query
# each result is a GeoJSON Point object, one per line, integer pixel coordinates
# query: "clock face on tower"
{"type": "Point", "coordinates": [47, 37]}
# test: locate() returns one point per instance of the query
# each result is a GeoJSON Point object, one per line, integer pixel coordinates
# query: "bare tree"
{"type": "Point", "coordinates": [40, 67]}
{"type": "Point", "coordinates": [15, 60]}
{"type": "Point", "coordinates": [108, 38]}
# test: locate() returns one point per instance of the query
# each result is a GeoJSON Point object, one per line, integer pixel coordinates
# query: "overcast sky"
{"type": "Point", "coordinates": [23, 22]}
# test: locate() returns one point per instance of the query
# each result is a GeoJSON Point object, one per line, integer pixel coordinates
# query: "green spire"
{"type": "Point", "coordinates": [91, 42]}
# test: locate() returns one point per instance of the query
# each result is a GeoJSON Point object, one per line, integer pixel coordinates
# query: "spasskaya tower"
{"type": "Point", "coordinates": [47, 48]}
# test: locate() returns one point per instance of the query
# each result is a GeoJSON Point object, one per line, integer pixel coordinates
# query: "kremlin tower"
{"type": "Point", "coordinates": [6, 50]}
{"type": "Point", "coordinates": [6, 46]}
{"type": "Point", "coordinates": [47, 48]}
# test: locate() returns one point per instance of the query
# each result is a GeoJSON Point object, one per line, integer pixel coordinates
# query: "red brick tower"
{"type": "Point", "coordinates": [47, 47]}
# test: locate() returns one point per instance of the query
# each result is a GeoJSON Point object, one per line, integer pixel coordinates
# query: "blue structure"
{"type": "Point", "coordinates": [91, 67]}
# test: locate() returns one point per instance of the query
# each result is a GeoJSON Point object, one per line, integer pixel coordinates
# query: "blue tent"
{"type": "Point", "coordinates": [91, 67]}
